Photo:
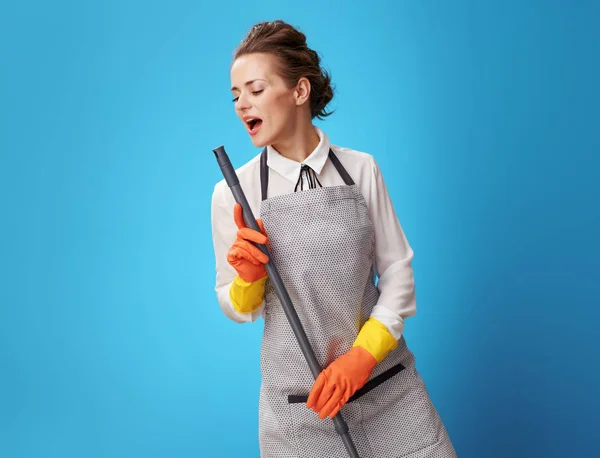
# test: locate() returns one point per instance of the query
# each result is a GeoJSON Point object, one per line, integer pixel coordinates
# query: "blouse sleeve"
{"type": "Point", "coordinates": [393, 259]}
{"type": "Point", "coordinates": [224, 233]}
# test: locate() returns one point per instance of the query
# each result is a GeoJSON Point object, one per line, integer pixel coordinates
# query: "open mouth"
{"type": "Point", "coordinates": [253, 125]}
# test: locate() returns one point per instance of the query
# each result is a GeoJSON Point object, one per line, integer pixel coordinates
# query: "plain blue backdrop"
{"type": "Point", "coordinates": [484, 118]}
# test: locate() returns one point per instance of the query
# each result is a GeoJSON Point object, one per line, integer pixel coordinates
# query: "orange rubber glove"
{"type": "Point", "coordinates": [348, 373]}
{"type": "Point", "coordinates": [247, 259]}
{"type": "Point", "coordinates": [336, 384]}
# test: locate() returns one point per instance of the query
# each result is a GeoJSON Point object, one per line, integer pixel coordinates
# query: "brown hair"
{"type": "Point", "coordinates": [296, 60]}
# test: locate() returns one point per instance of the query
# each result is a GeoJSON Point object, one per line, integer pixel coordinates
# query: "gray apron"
{"type": "Point", "coordinates": [322, 242]}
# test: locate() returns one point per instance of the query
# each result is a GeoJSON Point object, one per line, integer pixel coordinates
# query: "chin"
{"type": "Point", "coordinates": [260, 141]}
{"type": "Point", "coordinates": [256, 142]}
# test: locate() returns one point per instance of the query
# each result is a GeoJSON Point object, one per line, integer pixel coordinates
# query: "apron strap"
{"type": "Point", "coordinates": [340, 168]}
{"type": "Point", "coordinates": [264, 171]}
{"type": "Point", "coordinates": [264, 174]}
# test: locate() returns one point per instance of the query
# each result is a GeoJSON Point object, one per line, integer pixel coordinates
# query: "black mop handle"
{"type": "Point", "coordinates": [234, 184]}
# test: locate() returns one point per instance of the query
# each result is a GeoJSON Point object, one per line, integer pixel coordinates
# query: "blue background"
{"type": "Point", "coordinates": [484, 118]}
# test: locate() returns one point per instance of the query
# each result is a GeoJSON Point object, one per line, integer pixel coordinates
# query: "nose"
{"type": "Point", "coordinates": [242, 103]}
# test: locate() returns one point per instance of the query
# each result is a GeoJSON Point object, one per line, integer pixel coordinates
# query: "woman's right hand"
{"type": "Point", "coordinates": [247, 259]}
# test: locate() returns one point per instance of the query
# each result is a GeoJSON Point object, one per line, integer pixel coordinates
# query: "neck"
{"type": "Point", "coordinates": [300, 143]}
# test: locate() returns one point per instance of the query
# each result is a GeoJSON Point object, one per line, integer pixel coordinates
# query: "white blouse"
{"type": "Point", "coordinates": [393, 254]}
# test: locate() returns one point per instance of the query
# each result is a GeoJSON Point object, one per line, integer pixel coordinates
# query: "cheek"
{"type": "Point", "coordinates": [279, 108]}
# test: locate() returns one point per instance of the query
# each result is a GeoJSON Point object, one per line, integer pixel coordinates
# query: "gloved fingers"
{"type": "Point", "coordinates": [313, 396]}
{"type": "Point", "coordinates": [347, 393]}
{"type": "Point", "coordinates": [237, 253]}
{"type": "Point", "coordinates": [258, 255]}
{"type": "Point", "coordinates": [332, 403]}
{"type": "Point", "coordinates": [238, 216]}
{"type": "Point", "coordinates": [325, 395]}
{"type": "Point", "coordinates": [337, 408]}
{"type": "Point", "coordinates": [251, 235]}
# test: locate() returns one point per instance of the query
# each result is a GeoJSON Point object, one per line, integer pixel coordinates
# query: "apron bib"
{"type": "Point", "coordinates": [322, 242]}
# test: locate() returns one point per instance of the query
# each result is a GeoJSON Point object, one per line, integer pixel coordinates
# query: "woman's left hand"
{"type": "Point", "coordinates": [338, 382]}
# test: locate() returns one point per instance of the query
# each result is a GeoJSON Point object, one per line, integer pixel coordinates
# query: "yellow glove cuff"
{"type": "Point", "coordinates": [376, 339]}
{"type": "Point", "coordinates": [246, 296]}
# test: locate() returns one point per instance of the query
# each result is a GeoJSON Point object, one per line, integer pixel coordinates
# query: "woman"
{"type": "Point", "coordinates": [328, 220]}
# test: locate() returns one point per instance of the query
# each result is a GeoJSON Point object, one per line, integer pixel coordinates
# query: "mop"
{"type": "Point", "coordinates": [232, 181]}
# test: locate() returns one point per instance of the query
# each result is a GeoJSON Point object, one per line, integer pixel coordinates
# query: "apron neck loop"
{"type": "Point", "coordinates": [310, 173]}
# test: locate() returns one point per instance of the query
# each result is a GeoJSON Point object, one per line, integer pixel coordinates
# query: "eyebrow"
{"type": "Point", "coordinates": [247, 83]}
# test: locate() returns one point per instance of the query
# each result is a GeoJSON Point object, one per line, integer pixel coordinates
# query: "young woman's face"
{"type": "Point", "coordinates": [263, 102]}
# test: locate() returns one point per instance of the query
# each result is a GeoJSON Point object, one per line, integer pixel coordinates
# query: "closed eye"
{"type": "Point", "coordinates": [253, 93]}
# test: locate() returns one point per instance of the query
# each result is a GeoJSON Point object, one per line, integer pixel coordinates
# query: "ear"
{"type": "Point", "coordinates": [302, 91]}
